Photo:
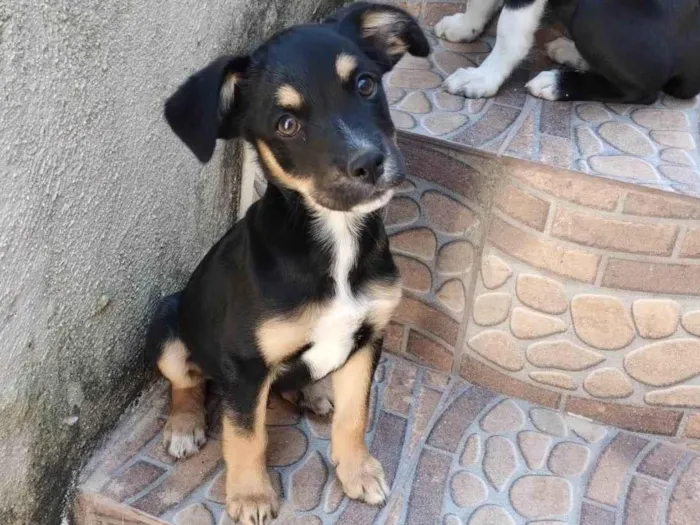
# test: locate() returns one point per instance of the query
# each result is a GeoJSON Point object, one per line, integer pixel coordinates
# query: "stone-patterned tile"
{"type": "Point", "coordinates": [593, 515]}
{"type": "Point", "coordinates": [454, 453]}
{"type": "Point", "coordinates": [684, 507]}
{"type": "Point", "coordinates": [189, 475]}
{"type": "Point", "coordinates": [661, 462]}
{"type": "Point", "coordinates": [447, 431]}
{"type": "Point", "coordinates": [425, 501]}
{"type": "Point", "coordinates": [308, 482]}
{"type": "Point", "coordinates": [495, 122]}
{"type": "Point", "coordinates": [606, 483]}
{"type": "Point", "coordinates": [132, 481]}
{"type": "Point", "coordinates": [194, 515]}
{"type": "Point", "coordinates": [644, 502]}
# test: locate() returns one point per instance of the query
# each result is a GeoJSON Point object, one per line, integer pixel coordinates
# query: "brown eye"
{"type": "Point", "coordinates": [288, 126]}
{"type": "Point", "coordinates": [366, 86]}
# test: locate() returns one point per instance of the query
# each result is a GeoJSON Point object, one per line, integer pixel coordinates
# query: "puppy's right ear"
{"type": "Point", "coordinates": [208, 106]}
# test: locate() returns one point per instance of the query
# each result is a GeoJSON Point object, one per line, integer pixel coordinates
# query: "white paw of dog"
{"type": "Point", "coordinates": [544, 85]}
{"type": "Point", "coordinates": [563, 51]}
{"type": "Point", "coordinates": [459, 28]}
{"type": "Point", "coordinates": [473, 83]}
{"type": "Point", "coordinates": [184, 434]}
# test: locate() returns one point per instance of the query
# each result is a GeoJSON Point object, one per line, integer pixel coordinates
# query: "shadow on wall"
{"type": "Point", "coordinates": [102, 211]}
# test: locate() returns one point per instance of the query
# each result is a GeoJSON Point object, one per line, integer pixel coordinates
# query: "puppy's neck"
{"type": "Point", "coordinates": [300, 227]}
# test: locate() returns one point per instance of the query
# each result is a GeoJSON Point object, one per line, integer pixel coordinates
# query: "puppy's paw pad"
{"type": "Point", "coordinates": [364, 480]}
{"type": "Point", "coordinates": [321, 406]}
{"type": "Point", "coordinates": [184, 435]}
{"type": "Point", "coordinates": [473, 83]}
{"type": "Point", "coordinates": [563, 51]}
{"type": "Point", "coordinates": [545, 85]}
{"type": "Point", "coordinates": [253, 509]}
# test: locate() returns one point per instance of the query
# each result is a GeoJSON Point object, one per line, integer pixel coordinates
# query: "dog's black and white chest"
{"type": "Point", "coordinates": [322, 333]}
{"type": "Point", "coordinates": [332, 334]}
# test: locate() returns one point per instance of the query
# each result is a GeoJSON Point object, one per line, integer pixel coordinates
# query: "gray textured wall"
{"type": "Point", "coordinates": [102, 210]}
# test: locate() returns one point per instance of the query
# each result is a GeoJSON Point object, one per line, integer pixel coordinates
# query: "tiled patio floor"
{"type": "Point", "coordinates": [655, 146]}
{"type": "Point", "coordinates": [454, 453]}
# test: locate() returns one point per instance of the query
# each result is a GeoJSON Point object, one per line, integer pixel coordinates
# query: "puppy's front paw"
{"type": "Point", "coordinates": [459, 28]}
{"type": "Point", "coordinates": [473, 83]}
{"type": "Point", "coordinates": [545, 85]}
{"type": "Point", "coordinates": [363, 480]}
{"type": "Point", "coordinates": [184, 434]}
{"type": "Point", "coordinates": [252, 507]}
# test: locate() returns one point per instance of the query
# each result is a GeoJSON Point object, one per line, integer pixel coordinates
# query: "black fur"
{"type": "Point", "coordinates": [638, 47]}
{"type": "Point", "coordinates": [163, 327]}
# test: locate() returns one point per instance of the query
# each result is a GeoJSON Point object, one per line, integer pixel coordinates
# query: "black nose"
{"type": "Point", "coordinates": [367, 164]}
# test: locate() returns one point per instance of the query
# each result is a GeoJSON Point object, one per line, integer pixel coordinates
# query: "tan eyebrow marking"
{"type": "Point", "coordinates": [288, 97]}
{"type": "Point", "coordinates": [344, 66]}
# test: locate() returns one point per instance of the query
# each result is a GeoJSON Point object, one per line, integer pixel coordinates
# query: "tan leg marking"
{"type": "Point", "coordinates": [184, 432]}
{"type": "Point", "coordinates": [250, 496]}
{"type": "Point", "coordinates": [385, 299]}
{"type": "Point", "coordinates": [280, 337]}
{"type": "Point", "coordinates": [361, 475]}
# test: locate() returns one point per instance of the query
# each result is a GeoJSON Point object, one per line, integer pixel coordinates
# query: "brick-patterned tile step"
{"type": "Point", "coordinates": [454, 453]}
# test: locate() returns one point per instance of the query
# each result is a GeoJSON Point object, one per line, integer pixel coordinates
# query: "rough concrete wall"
{"type": "Point", "coordinates": [102, 211]}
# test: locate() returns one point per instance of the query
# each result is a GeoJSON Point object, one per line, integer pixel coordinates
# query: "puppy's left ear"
{"type": "Point", "coordinates": [386, 33]}
{"type": "Point", "coordinates": [208, 105]}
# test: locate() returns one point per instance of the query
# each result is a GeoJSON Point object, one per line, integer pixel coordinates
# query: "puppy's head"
{"type": "Point", "coordinates": [310, 100]}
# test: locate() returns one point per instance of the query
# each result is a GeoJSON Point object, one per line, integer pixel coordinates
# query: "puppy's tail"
{"type": "Point", "coordinates": [163, 327]}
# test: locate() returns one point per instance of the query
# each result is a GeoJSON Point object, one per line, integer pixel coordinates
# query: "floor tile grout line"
{"type": "Point", "coordinates": [629, 477]}
{"type": "Point", "coordinates": [148, 488]}
{"type": "Point", "coordinates": [408, 472]}
{"type": "Point", "coordinates": [515, 127]}
{"type": "Point", "coordinates": [681, 468]}
{"type": "Point", "coordinates": [603, 446]}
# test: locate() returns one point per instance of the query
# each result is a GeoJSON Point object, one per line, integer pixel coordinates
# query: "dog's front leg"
{"type": "Point", "coordinates": [250, 496]}
{"type": "Point", "coordinates": [516, 34]}
{"type": "Point", "coordinates": [465, 27]}
{"type": "Point", "coordinates": [361, 475]}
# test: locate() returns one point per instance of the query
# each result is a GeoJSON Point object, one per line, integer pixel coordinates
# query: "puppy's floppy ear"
{"type": "Point", "coordinates": [207, 106]}
{"type": "Point", "coordinates": [385, 33]}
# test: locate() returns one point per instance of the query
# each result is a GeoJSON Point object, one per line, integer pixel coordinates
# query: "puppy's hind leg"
{"type": "Point", "coordinates": [580, 85]}
{"type": "Point", "coordinates": [184, 432]}
{"type": "Point", "coordinates": [516, 34]}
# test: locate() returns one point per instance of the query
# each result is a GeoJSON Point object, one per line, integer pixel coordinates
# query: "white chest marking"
{"type": "Point", "coordinates": [333, 335]}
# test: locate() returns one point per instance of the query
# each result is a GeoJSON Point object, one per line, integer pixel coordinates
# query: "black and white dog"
{"type": "Point", "coordinates": [302, 288]}
{"type": "Point", "coordinates": [623, 51]}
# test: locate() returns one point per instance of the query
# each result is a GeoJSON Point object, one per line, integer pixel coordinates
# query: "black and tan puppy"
{"type": "Point", "coordinates": [302, 288]}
